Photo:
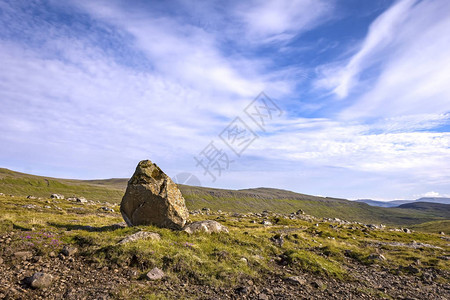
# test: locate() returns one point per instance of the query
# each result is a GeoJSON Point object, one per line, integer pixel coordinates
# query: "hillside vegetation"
{"type": "Point", "coordinates": [238, 201]}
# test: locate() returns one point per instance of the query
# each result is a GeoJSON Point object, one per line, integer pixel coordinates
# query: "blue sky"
{"type": "Point", "coordinates": [89, 88]}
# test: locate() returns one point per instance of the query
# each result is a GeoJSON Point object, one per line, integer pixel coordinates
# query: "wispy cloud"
{"type": "Point", "coordinates": [86, 82]}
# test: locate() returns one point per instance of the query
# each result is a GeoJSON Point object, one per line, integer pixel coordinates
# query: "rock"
{"type": "Point", "coordinates": [31, 197]}
{"type": "Point", "coordinates": [277, 239]}
{"type": "Point", "coordinates": [263, 296]}
{"type": "Point", "coordinates": [69, 251]}
{"type": "Point", "coordinates": [104, 208]}
{"type": "Point", "coordinates": [1, 260]}
{"type": "Point", "coordinates": [377, 256]}
{"type": "Point", "coordinates": [242, 290]}
{"type": "Point", "coordinates": [244, 260]}
{"type": "Point", "coordinates": [266, 223]}
{"type": "Point", "coordinates": [300, 212]}
{"type": "Point", "coordinates": [296, 280]}
{"type": "Point", "coordinates": [153, 198]}
{"type": "Point", "coordinates": [82, 200]}
{"type": "Point", "coordinates": [406, 230]}
{"type": "Point", "coordinates": [40, 280]}
{"type": "Point", "coordinates": [56, 196]}
{"type": "Point", "coordinates": [141, 235]}
{"type": "Point", "coordinates": [23, 255]}
{"type": "Point", "coordinates": [29, 206]}
{"type": "Point", "coordinates": [442, 233]}
{"type": "Point", "coordinates": [207, 226]}
{"type": "Point", "coordinates": [155, 274]}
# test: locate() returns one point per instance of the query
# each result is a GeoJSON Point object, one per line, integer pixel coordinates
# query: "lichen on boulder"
{"type": "Point", "coordinates": [152, 198]}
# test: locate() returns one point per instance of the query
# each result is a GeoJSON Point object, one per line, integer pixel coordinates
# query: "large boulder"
{"type": "Point", "coordinates": [152, 198]}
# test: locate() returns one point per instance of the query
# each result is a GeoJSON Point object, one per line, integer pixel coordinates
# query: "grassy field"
{"type": "Point", "coordinates": [240, 201]}
{"type": "Point", "coordinates": [326, 249]}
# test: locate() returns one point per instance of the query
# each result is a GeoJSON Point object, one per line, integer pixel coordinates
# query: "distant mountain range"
{"type": "Point", "coordinates": [397, 203]}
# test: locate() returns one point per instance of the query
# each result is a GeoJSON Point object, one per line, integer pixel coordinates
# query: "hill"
{"type": "Point", "coordinates": [437, 209]}
{"type": "Point", "coordinates": [396, 203]}
{"type": "Point", "coordinates": [239, 201]}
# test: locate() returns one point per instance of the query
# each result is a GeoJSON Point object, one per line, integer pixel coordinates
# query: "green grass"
{"type": "Point", "coordinates": [241, 201]}
{"type": "Point", "coordinates": [216, 259]}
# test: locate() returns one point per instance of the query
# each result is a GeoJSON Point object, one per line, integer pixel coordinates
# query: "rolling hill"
{"type": "Point", "coordinates": [240, 201]}
{"type": "Point", "coordinates": [397, 203]}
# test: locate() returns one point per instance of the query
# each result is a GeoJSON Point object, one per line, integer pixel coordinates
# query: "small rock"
{"type": "Point", "coordinates": [296, 280]}
{"type": "Point", "coordinates": [23, 255]}
{"type": "Point", "coordinates": [40, 280]}
{"type": "Point", "coordinates": [1, 260]}
{"type": "Point", "coordinates": [155, 274]}
{"type": "Point", "coordinates": [442, 233]}
{"type": "Point", "coordinates": [208, 226]}
{"type": "Point", "coordinates": [266, 223]}
{"type": "Point", "coordinates": [263, 296]}
{"type": "Point", "coordinates": [104, 208]}
{"type": "Point", "coordinates": [141, 235]}
{"type": "Point", "coordinates": [406, 230]}
{"type": "Point", "coordinates": [56, 196]}
{"type": "Point", "coordinates": [377, 256]}
{"type": "Point", "coordinates": [82, 200]}
{"type": "Point", "coordinates": [242, 290]}
{"type": "Point", "coordinates": [243, 260]}
{"type": "Point", "coordinates": [69, 251]}
{"type": "Point", "coordinates": [31, 197]}
{"type": "Point", "coordinates": [278, 240]}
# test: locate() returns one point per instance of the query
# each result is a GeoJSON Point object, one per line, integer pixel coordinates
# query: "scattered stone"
{"type": "Point", "coordinates": [141, 235]}
{"type": "Point", "coordinates": [153, 198]}
{"type": "Point", "coordinates": [406, 230]}
{"type": "Point", "coordinates": [56, 196]}
{"type": "Point", "coordinates": [1, 260]}
{"type": "Point", "coordinates": [29, 206]}
{"type": "Point", "coordinates": [296, 280]}
{"type": "Point", "coordinates": [266, 223]}
{"type": "Point", "coordinates": [277, 239]}
{"type": "Point", "coordinates": [242, 290]}
{"type": "Point", "coordinates": [442, 233]}
{"type": "Point", "coordinates": [207, 226]}
{"type": "Point", "coordinates": [108, 209]}
{"type": "Point", "coordinates": [69, 250]}
{"type": "Point", "coordinates": [155, 274]}
{"type": "Point", "coordinates": [81, 200]}
{"type": "Point", "coordinates": [40, 280]}
{"type": "Point", "coordinates": [243, 260]}
{"type": "Point", "coordinates": [23, 255]}
{"type": "Point", "coordinates": [31, 197]}
{"type": "Point", "coordinates": [263, 296]}
{"type": "Point", "coordinates": [300, 212]}
{"type": "Point", "coordinates": [377, 256]}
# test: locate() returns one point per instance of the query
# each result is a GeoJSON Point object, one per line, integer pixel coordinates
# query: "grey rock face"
{"type": "Point", "coordinates": [152, 198]}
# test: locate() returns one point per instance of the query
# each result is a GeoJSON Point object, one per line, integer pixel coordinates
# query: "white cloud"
{"type": "Point", "coordinates": [402, 65]}
{"type": "Point", "coordinates": [278, 20]}
{"type": "Point", "coordinates": [431, 194]}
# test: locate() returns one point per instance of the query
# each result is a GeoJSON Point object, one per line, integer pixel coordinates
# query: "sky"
{"type": "Point", "coordinates": [335, 98]}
